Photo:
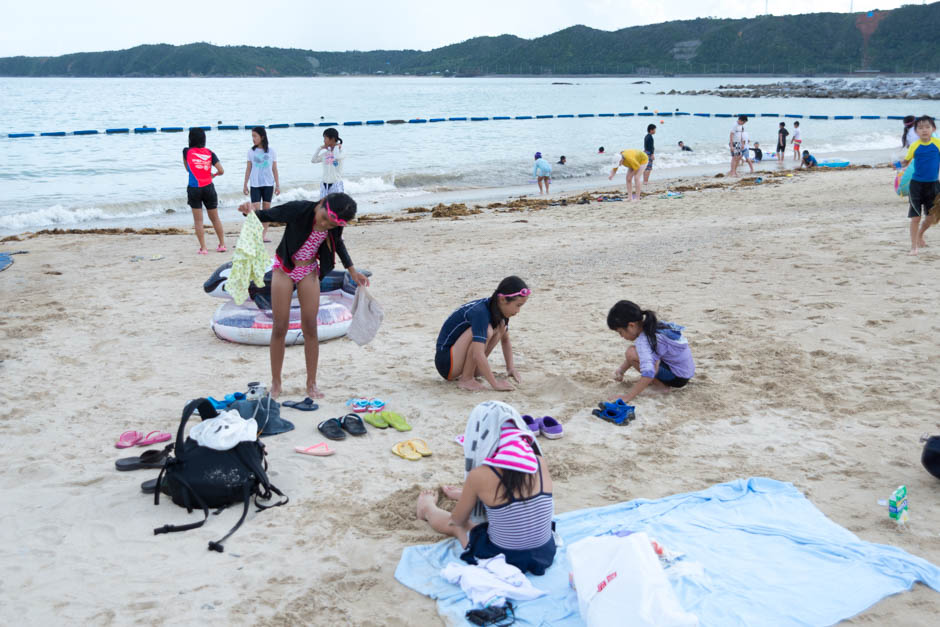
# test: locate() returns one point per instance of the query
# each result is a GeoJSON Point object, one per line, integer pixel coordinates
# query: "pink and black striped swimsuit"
{"type": "Point", "coordinates": [307, 252]}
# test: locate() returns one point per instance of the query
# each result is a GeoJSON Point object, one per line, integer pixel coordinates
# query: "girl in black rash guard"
{"type": "Point", "coordinates": [307, 252]}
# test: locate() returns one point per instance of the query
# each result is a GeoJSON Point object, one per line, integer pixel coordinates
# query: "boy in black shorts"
{"type": "Point", "coordinates": [782, 141]}
{"type": "Point", "coordinates": [925, 155]}
{"type": "Point", "coordinates": [649, 148]}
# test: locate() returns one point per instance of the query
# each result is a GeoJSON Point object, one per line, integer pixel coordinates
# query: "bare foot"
{"type": "Point", "coordinates": [313, 391]}
{"type": "Point", "coordinates": [452, 492]}
{"type": "Point", "coordinates": [275, 390]}
{"type": "Point", "coordinates": [471, 385]}
{"type": "Point", "coordinates": [427, 501]}
{"type": "Point", "coordinates": [922, 244]}
{"type": "Point", "coordinates": [913, 251]}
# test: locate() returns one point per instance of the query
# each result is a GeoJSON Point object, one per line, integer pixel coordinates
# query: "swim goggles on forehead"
{"type": "Point", "coordinates": [523, 292]}
{"type": "Point", "coordinates": [335, 218]}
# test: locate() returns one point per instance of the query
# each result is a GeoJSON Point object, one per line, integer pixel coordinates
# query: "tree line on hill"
{"type": "Point", "coordinates": [900, 40]}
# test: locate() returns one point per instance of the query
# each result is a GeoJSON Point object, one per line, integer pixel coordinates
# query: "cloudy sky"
{"type": "Point", "coordinates": [53, 27]}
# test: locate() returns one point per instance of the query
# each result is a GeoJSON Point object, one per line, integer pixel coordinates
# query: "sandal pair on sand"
{"type": "Point", "coordinates": [386, 419]}
{"type": "Point", "coordinates": [617, 412]}
{"type": "Point", "coordinates": [366, 405]}
{"type": "Point", "coordinates": [546, 425]}
{"type": "Point", "coordinates": [137, 438]}
{"type": "Point", "coordinates": [412, 450]}
{"type": "Point", "coordinates": [337, 428]}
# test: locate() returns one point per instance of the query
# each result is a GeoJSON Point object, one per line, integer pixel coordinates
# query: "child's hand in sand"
{"type": "Point", "coordinates": [618, 375]}
{"type": "Point", "coordinates": [503, 385]}
{"type": "Point", "coordinates": [515, 375]}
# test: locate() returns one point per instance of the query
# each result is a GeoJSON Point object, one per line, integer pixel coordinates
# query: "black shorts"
{"type": "Point", "coordinates": [667, 376]}
{"type": "Point", "coordinates": [921, 198]}
{"type": "Point", "coordinates": [265, 193]}
{"type": "Point", "coordinates": [781, 148]}
{"type": "Point", "coordinates": [649, 164]}
{"type": "Point", "coordinates": [198, 196]}
{"type": "Point", "coordinates": [443, 362]}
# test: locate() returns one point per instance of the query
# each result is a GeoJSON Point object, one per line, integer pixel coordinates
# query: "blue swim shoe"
{"type": "Point", "coordinates": [617, 412]}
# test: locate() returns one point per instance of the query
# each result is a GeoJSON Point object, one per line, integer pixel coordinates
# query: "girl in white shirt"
{"type": "Point", "coordinates": [261, 179]}
{"type": "Point", "coordinates": [330, 154]}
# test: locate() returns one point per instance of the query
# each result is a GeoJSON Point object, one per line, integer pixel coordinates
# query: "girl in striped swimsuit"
{"type": "Point", "coordinates": [312, 238]}
{"type": "Point", "coordinates": [516, 491]}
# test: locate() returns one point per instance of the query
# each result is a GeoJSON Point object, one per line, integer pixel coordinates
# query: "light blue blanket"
{"type": "Point", "coordinates": [769, 557]}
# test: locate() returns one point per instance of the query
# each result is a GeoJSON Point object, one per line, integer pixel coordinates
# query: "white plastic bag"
{"type": "Point", "coordinates": [225, 431]}
{"type": "Point", "coordinates": [620, 582]}
{"type": "Point", "coordinates": [367, 315]}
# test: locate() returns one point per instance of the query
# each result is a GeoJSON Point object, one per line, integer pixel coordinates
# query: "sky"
{"type": "Point", "coordinates": [54, 27]}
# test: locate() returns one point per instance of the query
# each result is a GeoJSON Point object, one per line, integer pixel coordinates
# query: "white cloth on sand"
{"type": "Point", "coordinates": [491, 581]}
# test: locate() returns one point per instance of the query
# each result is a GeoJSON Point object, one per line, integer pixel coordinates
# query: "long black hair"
{"type": "Point", "coordinates": [515, 484]}
{"type": "Point", "coordinates": [908, 123]}
{"type": "Point", "coordinates": [509, 285]}
{"type": "Point", "coordinates": [342, 205]}
{"type": "Point", "coordinates": [197, 138]}
{"type": "Point", "coordinates": [264, 137]}
{"type": "Point", "coordinates": [625, 312]}
{"type": "Point", "coordinates": [332, 133]}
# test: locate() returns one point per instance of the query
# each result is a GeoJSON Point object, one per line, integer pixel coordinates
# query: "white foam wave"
{"type": "Point", "coordinates": [57, 215]}
{"type": "Point", "coordinates": [369, 184]}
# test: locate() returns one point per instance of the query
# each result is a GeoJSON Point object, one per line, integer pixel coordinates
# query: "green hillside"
{"type": "Point", "coordinates": [901, 40]}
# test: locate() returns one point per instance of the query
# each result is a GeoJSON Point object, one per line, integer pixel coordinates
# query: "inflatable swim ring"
{"type": "Point", "coordinates": [251, 322]}
{"type": "Point", "coordinates": [250, 325]}
{"type": "Point", "coordinates": [833, 163]}
{"type": "Point", "coordinates": [902, 181]}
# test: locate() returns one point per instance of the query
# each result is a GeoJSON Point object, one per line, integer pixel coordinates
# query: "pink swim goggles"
{"type": "Point", "coordinates": [523, 292]}
{"type": "Point", "coordinates": [335, 218]}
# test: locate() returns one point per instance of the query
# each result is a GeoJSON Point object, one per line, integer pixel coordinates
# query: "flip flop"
{"type": "Point", "coordinates": [154, 437]}
{"type": "Point", "coordinates": [305, 405]}
{"type": "Point", "coordinates": [320, 449]}
{"type": "Point", "coordinates": [352, 424]}
{"type": "Point", "coordinates": [376, 404]}
{"type": "Point", "coordinates": [376, 420]}
{"type": "Point", "coordinates": [395, 421]}
{"type": "Point", "coordinates": [405, 450]}
{"type": "Point", "coordinates": [129, 439]}
{"type": "Point", "coordinates": [150, 486]}
{"type": "Point", "coordinates": [147, 459]}
{"type": "Point", "coordinates": [551, 428]}
{"type": "Point", "coordinates": [221, 249]}
{"type": "Point", "coordinates": [332, 429]}
{"type": "Point", "coordinates": [420, 447]}
{"type": "Point", "coordinates": [202, 252]}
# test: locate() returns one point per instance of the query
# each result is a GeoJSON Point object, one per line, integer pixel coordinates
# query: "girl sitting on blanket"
{"type": "Point", "coordinates": [470, 334]}
{"type": "Point", "coordinates": [312, 238]}
{"type": "Point", "coordinates": [509, 483]}
{"type": "Point", "coordinates": [660, 353]}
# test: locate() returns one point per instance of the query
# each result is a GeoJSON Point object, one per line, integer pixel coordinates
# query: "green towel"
{"type": "Point", "coordinates": [249, 261]}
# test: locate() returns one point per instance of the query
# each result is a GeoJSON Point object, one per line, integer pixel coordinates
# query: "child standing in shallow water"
{"type": "Point", "coordinates": [331, 155]}
{"type": "Point", "coordinates": [660, 353]}
{"type": "Point", "coordinates": [542, 170]}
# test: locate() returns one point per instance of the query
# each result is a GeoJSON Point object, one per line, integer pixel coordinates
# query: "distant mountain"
{"type": "Point", "coordinates": [900, 40]}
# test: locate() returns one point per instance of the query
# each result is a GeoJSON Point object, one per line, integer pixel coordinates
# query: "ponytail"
{"type": "Point", "coordinates": [332, 133]}
{"type": "Point", "coordinates": [650, 324]}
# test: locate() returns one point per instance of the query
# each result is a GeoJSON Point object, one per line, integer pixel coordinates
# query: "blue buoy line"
{"type": "Point", "coordinates": [143, 130]}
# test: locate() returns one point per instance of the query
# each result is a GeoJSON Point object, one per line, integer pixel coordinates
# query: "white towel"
{"type": "Point", "coordinates": [491, 581]}
{"type": "Point", "coordinates": [367, 316]}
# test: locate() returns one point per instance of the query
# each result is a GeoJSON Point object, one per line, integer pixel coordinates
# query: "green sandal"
{"type": "Point", "coordinates": [395, 420]}
{"type": "Point", "coordinates": [376, 420]}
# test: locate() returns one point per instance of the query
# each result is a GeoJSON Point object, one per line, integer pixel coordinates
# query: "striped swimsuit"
{"type": "Point", "coordinates": [307, 252]}
{"type": "Point", "coordinates": [523, 524]}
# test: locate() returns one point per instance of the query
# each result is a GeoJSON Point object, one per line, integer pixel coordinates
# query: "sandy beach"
{"type": "Point", "coordinates": [812, 330]}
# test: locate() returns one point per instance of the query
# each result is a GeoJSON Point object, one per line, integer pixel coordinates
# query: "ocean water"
{"type": "Point", "coordinates": [139, 180]}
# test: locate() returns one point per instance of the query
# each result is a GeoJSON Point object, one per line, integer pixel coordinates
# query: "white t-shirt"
{"type": "Point", "coordinates": [912, 136]}
{"type": "Point", "coordinates": [796, 135]}
{"type": "Point", "coordinates": [744, 140]}
{"type": "Point", "coordinates": [736, 132]}
{"type": "Point", "coordinates": [262, 174]}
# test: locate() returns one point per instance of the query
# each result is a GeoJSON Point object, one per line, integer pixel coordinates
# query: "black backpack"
{"type": "Point", "coordinates": [201, 477]}
{"type": "Point", "coordinates": [930, 458]}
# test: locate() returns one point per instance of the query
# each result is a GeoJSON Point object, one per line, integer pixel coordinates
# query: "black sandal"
{"type": "Point", "coordinates": [332, 429]}
{"type": "Point", "coordinates": [148, 459]}
{"type": "Point", "coordinates": [353, 424]}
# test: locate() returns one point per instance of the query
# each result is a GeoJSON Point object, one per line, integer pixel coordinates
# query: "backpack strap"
{"type": "Point", "coordinates": [206, 410]}
{"type": "Point", "coordinates": [187, 527]}
{"type": "Point", "coordinates": [217, 545]}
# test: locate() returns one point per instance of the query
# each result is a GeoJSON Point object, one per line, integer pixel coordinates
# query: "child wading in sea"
{"type": "Point", "coordinates": [261, 173]}
{"type": "Point", "coordinates": [660, 353]}
{"type": "Point", "coordinates": [331, 155]}
{"type": "Point", "coordinates": [312, 238]}
{"type": "Point", "coordinates": [782, 133]}
{"type": "Point", "coordinates": [199, 161]}
{"type": "Point", "coordinates": [797, 141]}
{"type": "Point", "coordinates": [925, 153]}
{"type": "Point", "coordinates": [470, 334]}
{"type": "Point", "coordinates": [542, 170]}
{"type": "Point", "coordinates": [633, 160]}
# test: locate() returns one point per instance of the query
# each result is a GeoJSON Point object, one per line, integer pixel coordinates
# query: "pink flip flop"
{"type": "Point", "coordinates": [202, 251]}
{"type": "Point", "coordinates": [154, 437]}
{"type": "Point", "coordinates": [129, 439]}
{"type": "Point", "coordinates": [320, 449]}
{"type": "Point", "coordinates": [221, 249]}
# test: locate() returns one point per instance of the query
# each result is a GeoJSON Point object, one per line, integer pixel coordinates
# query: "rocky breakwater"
{"type": "Point", "coordinates": [926, 88]}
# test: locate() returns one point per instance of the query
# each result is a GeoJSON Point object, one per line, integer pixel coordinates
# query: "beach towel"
{"type": "Point", "coordinates": [367, 316]}
{"type": "Point", "coordinates": [768, 557]}
{"type": "Point", "coordinates": [481, 438]}
{"type": "Point", "coordinates": [249, 261]}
